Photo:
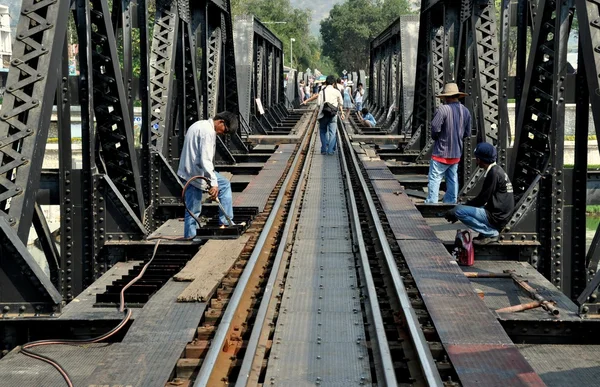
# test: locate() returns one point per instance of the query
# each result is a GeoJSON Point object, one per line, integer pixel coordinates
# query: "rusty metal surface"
{"type": "Point", "coordinates": [477, 345]}
{"type": "Point", "coordinates": [492, 365]}
{"type": "Point", "coordinates": [503, 292]}
{"type": "Point", "coordinates": [564, 365]}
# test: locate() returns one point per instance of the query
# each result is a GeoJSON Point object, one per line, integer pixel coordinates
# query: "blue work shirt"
{"type": "Point", "coordinates": [369, 117]}
{"type": "Point", "coordinates": [451, 123]}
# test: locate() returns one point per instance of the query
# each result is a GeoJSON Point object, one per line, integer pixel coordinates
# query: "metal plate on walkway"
{"type": "Point", "coordinates": [503, 292]}
{"type": "Point", "coordinates": [477, 345]}
{"type": "Point", "coordinates": [145, 358]}
{"type": "Point", "coordinates": [564, 365]}
{"type": "Point", "coordinates": [319, 337]}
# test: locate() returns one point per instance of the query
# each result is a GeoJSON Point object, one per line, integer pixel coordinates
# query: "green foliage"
{"type": "Point", "coordinates": [351, 26]}
{"type": "Point", "coordinates": [306, 48]}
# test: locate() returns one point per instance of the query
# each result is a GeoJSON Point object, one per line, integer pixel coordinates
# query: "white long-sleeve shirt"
{"type": "Point", "coordinates": [198, 153]}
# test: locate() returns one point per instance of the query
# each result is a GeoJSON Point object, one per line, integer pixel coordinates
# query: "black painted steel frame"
{"type": "Point", "coordinates": [548, 212]}
{"type": "Point", "coordinates": [121, 193]}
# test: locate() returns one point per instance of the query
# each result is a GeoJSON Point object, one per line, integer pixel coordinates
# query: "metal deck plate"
{"type": "Point", "coordinates": [259, 189]}
{"type": "Point", "coordinates": [503, 292]}
{"type": "Point", "coordinates": [319, 336]}
{"type": "Point", "coordinates": [564, 365]}
{"type": "Point", "coordinates": [146, 357]}
{"type": "Point", "coordinates": [477, 345]}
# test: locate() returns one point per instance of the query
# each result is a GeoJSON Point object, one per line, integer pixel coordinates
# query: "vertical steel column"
{"type": "Point", "coordinates": [588, 14]}
{"type": "Point", "coordinates": [578, 223]}
{"type": "Point", "coordinates": [90, 248]}
{"type": "Point", "coordinates": [70, 231]}
{"type": "Point", "coordinates": [540, 145]}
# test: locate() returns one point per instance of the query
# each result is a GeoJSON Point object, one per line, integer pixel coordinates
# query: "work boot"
{"type": "Point", "coordinates": [484, 240]}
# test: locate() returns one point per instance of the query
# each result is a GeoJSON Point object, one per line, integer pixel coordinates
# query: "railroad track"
{"type": "Point", "coordinates": [234, 341]}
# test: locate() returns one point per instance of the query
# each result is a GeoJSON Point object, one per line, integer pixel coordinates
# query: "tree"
{"type": "Point", "coordinates": [352, 25]}
{"type": "Point", "coordinates": [307, 51]}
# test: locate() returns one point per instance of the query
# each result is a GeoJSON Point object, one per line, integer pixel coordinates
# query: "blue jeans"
{"type": "Point", "coordinates": [476, 219]}
{"type": "Point", "coordinates": [358, 106]}
{"type": "Point", "coordinates": [193, 200]}
{"type": "Point", "coordinates": [328, 134]}
{"type": "Point", "coordinates": [436, 171]}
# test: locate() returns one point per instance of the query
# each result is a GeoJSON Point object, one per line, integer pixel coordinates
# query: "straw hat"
{"type": "Point", "coordinates": [451, 90]}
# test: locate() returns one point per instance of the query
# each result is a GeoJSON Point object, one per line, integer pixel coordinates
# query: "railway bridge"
{"type": "Point", "coordinates": [336, 273]}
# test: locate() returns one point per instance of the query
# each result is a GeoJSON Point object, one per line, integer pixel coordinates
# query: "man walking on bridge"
{"type": "Point", "coordinates": [197, 160]}
{"type": "Point", "coordinates": [451, 123]}
{"type": "Point", "coordinates": [329, 95]}
{"type": "Point", "coordinates": [489, 212]}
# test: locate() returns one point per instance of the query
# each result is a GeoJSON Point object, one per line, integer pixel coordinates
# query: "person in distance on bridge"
{"type": "Point", "coordinates": [197, 160]}
{"type": "Point", "coordinates": [358, 97]}
{"type": "Point", "coordinates": [489, 212]}
{"type": "Point", "coordinates": [451, 123]}
{"type": "Point", "coordinates": [366, 119]}
{"type": "Point", "coordinates": [328, 123]}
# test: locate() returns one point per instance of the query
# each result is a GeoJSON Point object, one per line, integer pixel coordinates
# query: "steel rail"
{"type": "Point", "coordinates": [383, 349]}
{"type": "Point", "coordinates": [221, 333]}
{"type": "Point", "coordinates": [261, 315]}
{"type": "Point", "coordinates": [427, 362]}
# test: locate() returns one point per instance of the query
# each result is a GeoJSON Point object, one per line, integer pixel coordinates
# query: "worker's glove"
{"type": "Point", "coordinates": [450, 215]}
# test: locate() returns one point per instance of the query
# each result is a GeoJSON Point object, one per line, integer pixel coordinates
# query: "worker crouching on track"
{"type": "Point", "coordinates": [451, 123]}
{"type": "Point", "coordinates": [491, 209]}
{"type": "Point", "coordinates": [197, 160]}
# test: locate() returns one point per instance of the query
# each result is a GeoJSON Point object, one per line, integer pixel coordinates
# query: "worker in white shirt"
{"type": "Point", "coordinates": [197, 160]}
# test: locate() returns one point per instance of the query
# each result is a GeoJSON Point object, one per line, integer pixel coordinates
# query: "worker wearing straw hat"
{"type": "Point", "coordinates": [450, 125]}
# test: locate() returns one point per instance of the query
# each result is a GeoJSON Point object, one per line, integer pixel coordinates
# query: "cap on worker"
{"type": "Point", "coordinates": [451, 90]}
{"type": "Point", "coordinates": [486, 152]}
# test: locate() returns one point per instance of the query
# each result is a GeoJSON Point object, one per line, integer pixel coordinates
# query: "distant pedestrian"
{"type": "Point", "coordinates": [301, 93]}
{"type": "Point", "coordinates": [340, 86]}
{"type": "Point", "coordinates": [450, 125]}
{"type": "Point", "coordinates": [348, 100]}
{"type": "Point", "coordinates": [306, 92]}
{"type": "Point", "coordinates": [366, 119]}
{"type": "Point", "coordinates": [358, 97]}
{"type": "Point", "coordinates": [328, 123]}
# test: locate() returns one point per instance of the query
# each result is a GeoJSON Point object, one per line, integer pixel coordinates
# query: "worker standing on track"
{"type": "Point", "coordinates": [489, 212]}
{"type": "Point", "coordinates": [328, 124]}
{"type": "Point", "coordinates": [451, 123]}
{"type": "Point", "coordinates": [197, 160]}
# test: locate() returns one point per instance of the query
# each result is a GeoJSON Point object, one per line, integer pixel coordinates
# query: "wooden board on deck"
{"type": "Point", "coordinates": [208, 267]}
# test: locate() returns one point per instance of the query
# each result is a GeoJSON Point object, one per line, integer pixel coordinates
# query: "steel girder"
{"type": "Point", "coordinates": [24, 122]}
{"type": "Point", "coordinates": [103, 201]}
{"type": "Point", "coordinates": [539, 144]}
{"type": "Point", "coordinates": [588, 80]}
{"type": "Point", "coordinates": [259, 58]}
{"type": "Point", "coordinates": [393, 72]}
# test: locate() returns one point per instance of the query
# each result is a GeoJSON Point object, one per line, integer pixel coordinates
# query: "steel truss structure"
{"type": "Point", "coordinates": [458, 42]}
{"type": "Point", "coordinates": [126, 185]}
{"type": "Point", "coordinates": [392, 73]}
{"type": "Point", "coordinates": [259, 59]}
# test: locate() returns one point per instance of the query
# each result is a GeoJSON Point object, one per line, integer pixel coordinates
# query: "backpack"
{"type": "Point", "coordinates": [329, 110]}
{"type": "Point", "coordinates": [463, 248]}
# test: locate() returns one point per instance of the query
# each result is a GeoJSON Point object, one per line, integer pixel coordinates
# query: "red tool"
{"type": "Point", "coordinates": [464, 248]}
